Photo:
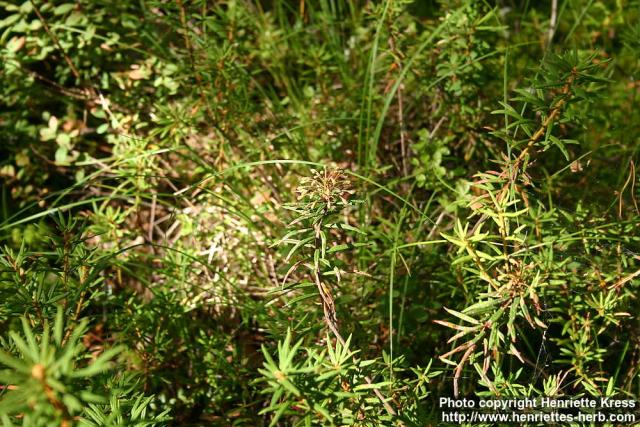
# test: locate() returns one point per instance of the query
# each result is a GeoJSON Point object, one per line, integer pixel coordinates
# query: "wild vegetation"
{"type": "Point", "coordinates": [314, 212]}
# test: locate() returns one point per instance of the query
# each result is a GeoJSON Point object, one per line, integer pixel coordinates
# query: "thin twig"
{"type": "Point", "coordinates": [631, 178]}
{"type": "Point", "coordinates": [552, 21]}
{"type": "Point", "coordinates": [458, 370]}
{"type": "Point", "coordinates": [55, 39]}
{"type": "Point", "coordinates": [403, 144]}
{"type": "Point", "coordinates": [152, 218]}
{"type": "Point", "coordinates": [625, 279]}
{"type": "Point", "coordinates": [331, 320]}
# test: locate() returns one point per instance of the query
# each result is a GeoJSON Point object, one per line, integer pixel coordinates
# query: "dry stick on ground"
{"type": "Point", "coordinates": [331, 320]}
